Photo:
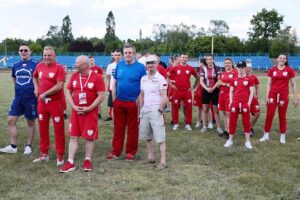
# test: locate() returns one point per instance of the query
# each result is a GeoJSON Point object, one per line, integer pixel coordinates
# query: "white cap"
{"type": "Point", "coordinates": [151, 58]}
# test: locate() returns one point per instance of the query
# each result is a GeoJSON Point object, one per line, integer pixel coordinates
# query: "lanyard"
{"type": "Point", "coordinates": [81, 88]}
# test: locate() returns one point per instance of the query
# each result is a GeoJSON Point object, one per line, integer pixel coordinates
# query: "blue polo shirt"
{"type": "Point", "coordinates": [128, 80]}
{"type": "Point", "coordinates": [22, 71]}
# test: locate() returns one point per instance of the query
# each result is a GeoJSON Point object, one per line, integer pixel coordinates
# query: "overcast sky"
{"type": "Point", "coordinates": [30, 19]}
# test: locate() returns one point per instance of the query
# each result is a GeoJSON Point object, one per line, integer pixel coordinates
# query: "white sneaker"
{"type": "Point", "coordinates": [27, 150]}
{"type": "Point", "coordinates": [282, 139]}
{"type": "Point", "coordinates": [248, 145]}
{"type": "Point", "coordinates": [59, 162]}
{"type": "Point", "coordinates": [8, 149]}
{"type": "Point", "coordinates": [188, 127]}
{"type": "Point", "coordinates": [210, 125]}
{"type": "Point", "coordinates": [203, 130]}
{"type": "Point", "coordinates": [220, 131]}
{"type": "Point", "coordinates": [175, 127]}
{"type": "Point", "coordinates": [41, 158]}
{"type": "Point", "coordinates": [197, 125]}
{"type": "Point", "coordinates": [264, 138]}
{"type": "Point", "coordinates": [228, 143]}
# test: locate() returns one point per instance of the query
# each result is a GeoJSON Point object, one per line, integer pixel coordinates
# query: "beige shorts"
{"type": "Point", "coordinates": [152, 125]}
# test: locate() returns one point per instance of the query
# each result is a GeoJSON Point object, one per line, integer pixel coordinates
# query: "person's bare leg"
{"type": "Point", "coordinates": [31, 131]}
{"type": "Point", "coordinates": [12, 128]}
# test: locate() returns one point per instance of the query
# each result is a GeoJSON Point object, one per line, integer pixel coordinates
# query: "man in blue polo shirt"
{"type": "Point", "coordinates": [25, 102]}
{"type": "Point", "coordinates": [125, 92]}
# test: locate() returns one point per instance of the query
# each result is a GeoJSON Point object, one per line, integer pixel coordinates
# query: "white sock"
{"type": "Point", "coordinates": [88, 158]}
{"type": "Point", "coordinates": [71, 161]}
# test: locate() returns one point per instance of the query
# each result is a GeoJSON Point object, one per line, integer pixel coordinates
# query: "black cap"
{"type": "Point", "coordinates": [241, 64]}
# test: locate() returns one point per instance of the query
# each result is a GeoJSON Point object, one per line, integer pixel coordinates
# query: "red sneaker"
{"type": "Point", "coordinates": [87, 166]}
{"type": "Point", "coordinates": [129, 157]}
{"type": "Point", "coordinates": [111, 157]}
{"type": "Point", "coordinates": [68, 167]}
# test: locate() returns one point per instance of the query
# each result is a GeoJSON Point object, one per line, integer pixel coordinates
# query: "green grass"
{"type": "Point", "coordinates": [199, 166]}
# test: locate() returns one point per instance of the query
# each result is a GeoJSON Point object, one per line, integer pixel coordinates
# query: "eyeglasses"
{"type": "Point", "coordinates": [150, 63]}
{"type": "Point", "coordinates": [23, 50]}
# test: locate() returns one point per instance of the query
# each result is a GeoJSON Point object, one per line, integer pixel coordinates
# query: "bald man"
{"type": "Point", "coordinates": [85, 91]}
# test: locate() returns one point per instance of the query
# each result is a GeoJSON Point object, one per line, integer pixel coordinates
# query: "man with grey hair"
{"type": "Point", "coordinates": [49, 78]}
{"type": "Point", "coordinates": [125, 92]}
{"type": "Point", "coordinates": [85, 91]}
{"type": "Point", "coordinates": [153, 99]}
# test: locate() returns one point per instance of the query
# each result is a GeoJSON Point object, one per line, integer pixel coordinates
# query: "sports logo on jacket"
{"type": "Point", "coordinates": [285, 73]}
{"type": "Point", "coordinates": [274, 73]}
{"type": "Point", "coordinates": [57, 119]}
{"type": "Point", "coordinates": [235, 83]}
{"type": "Point", "coordinates": [74, 83]}
{"type": "Point", "coordinates": [51, 74]}
{"type": "Point", "coordinates": [178, 72]}
{"type": "Point", "coordinates": [245, 83]}
{"type": "Point", "coordinates": [187, 71]}
{"type": "Point", "coordinates": [40, 74]}
{"type": "Point", "coordinates": [90, 85]}
{"type": "Point", "coordinates": [230, 75]}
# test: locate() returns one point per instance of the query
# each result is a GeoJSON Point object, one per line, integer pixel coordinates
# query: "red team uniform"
{"type": "Point", "coordinates": [85, 125]}
{"type": "Point", "coordinates": [97, 70]}
{"type": "Point", "coordinates": [182, 75]}
{"type": "Point", "coordinates": [170, 89]}
{"type": "Point", "coordinates": [52, 106]}
{"type": "Point", "coordinates": [239, 103]}
{"type": "Point", "coordinates": [225, 77]}
{"type": "Point", "coordinates": [254, 108]}
{"type": "Point", "coordinates": [278, 96]}
{"type": "Point", "coordinates": [198, 96]}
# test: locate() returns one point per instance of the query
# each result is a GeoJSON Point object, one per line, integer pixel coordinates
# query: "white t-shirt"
{"type": "Point", "coordinates": [142, 60]}
{"type": "Point", "coordinates": [111, 71]}
{"type": "Point", "coordinates": [151, 88]}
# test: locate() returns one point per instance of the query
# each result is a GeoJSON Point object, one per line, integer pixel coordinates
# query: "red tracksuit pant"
{"type": "Point", "coordinates": [239, 108]}
{"type": "Point", "coordinates": [186, 97]}
{"type": "Point", "coordinates": [53, 109]}
{"type": "Point", "coordinates": [282, 101]}
{"type": "Point", "coordinates": [125, 115]}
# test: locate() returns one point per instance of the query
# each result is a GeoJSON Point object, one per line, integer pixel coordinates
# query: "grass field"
{"type": "Point", "coordinates": [199, 166]}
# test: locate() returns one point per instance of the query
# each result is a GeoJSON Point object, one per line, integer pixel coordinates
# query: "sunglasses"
{"type": "Point", "coordinates": [23, 50]}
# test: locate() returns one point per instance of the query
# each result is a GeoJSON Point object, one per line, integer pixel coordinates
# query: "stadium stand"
{"type": "Point", "coordinates": [294, 61]}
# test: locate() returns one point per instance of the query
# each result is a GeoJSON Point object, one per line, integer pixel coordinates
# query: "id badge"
{"type": "Point", "coordinates": [82, 98]}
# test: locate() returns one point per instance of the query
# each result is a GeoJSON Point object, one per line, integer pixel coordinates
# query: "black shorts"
{"type": "Point", "coordinates": [208, 98]}
{"type": "Point", "coordinates": [109, 100]}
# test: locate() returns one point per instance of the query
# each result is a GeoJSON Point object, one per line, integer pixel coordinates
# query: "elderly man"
{"type": "Point", "coordinates": [125, 92]}
{"type": "Point", "coordinates": [49, 78]}
{"type": "Point", "coordinates": [85, 91]}
{"type": "Point", "coordinates": [24, 103]}
{"type": "Point", "coordinates": [153, 99]}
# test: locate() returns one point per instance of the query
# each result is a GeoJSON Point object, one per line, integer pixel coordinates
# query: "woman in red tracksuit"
{"type": "Point", "coordinates": [278, 95]}
{"type": "Point", "coordinates": [224, 82]}
{"type": "Point", "coordinates": [240, 98]}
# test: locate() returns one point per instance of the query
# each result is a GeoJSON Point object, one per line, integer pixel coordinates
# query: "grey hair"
{"type": "Point", "coordinates": [127, 45]}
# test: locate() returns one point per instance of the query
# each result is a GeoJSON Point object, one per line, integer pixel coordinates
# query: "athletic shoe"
{"type": "Point", "coordinates": [252, 133]}
{"type": "Point", "coordinates": [27, 150]}
{"type": "Point", "coordinates": [99, 116]}
{"type": "Point", "coordinates": [167, 110]}
{"type": "Point", "coordinates": [248, 145]}
{"type": "Point", "coordinates": [65, 116]}
{"type": "Point", "coordinates": [111, 157]}
{"type": "Point", "coordinates": [264, 138]}
{"type": "Point", "coordinates": [59, 162]}
{"type": "Point", "coordinates": [108, 119]}
{"type": "Point", "coordinates": [9, 149]}
{"type": "Point", "coordinates": [175, 127]}
{"type": "Point", "coordinates": [197, 125]}
{"type": "Point", "coordinates": [228, 143]}
{"type": "Point", "coordinates": [41, 158]}
{"type": "Point", "coordinates": [210, 125]}
{"type": "Point", "coordinates": [129, 157]}
{"type": "Point", "coordinates": [87, 166]}
{"type": "Point", "coordinates": [68, 167]}
{"type": "Point", "coordinates": [220, 131]}
{"type": "Point", "coordinates": [203, 130]}
{"type": "Point", "coordinates": [188, 127]}
{"type": "Point", "coordinates": [282, 139]}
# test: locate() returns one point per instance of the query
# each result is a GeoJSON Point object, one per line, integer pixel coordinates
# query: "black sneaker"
{"type": "Point", "coordinates": [252, 133]}
{"type": "Point", "coordinates": [99, 116]}
{"type": "Point", "coordinates": [65, 116]}
{"type": "Point", "coordinates": [108, 119]}
{"type": "Point", "coordinates": [226, 134]}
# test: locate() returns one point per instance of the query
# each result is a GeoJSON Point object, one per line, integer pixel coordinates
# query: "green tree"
{"type": "Point", "coordinates": [265, 24]}
{"type": "Point", "coordinates": [110, 27]}
{"type": "Point", "coordinates": [36, 47]}
{"type": "Point", "coordinates": [66, 30]}
{"type": "Point", "coordinates": [218, 27]}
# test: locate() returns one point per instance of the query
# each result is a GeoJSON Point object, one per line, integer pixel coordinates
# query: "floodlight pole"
{"type": "Point", "coordinates": [212, 44]}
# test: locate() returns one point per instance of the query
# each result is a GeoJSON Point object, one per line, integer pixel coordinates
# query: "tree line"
{"type": "Point", "coordinates": [267, 34]}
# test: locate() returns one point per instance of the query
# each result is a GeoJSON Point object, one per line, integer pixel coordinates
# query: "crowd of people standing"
{"type": "Point", "coordinates": [141, 90]}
